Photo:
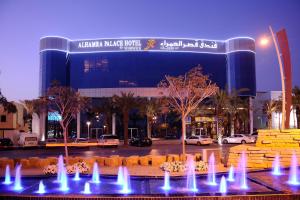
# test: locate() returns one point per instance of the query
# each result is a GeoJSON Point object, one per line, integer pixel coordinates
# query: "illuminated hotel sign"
{"type": "Point", "coordinates": [145, 44]}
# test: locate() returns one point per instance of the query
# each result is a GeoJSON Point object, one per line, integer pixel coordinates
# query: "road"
{"type": "Point", "coordinates": [159, 147]}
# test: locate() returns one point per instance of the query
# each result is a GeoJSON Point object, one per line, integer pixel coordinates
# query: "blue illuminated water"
{"type": "Point", "coordinates": [223, 185]}
{"type": "Point", "coordinates": [17, 183]}
{"type": "Point", "coordinates": [95, 177]}
{"type": "Point", "coordinates": [166, 181]}
{"type": "Point", "coordinates": [7, 180]}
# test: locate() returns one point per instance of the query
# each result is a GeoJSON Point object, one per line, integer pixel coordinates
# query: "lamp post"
{"type": "Point", "coordinates": [264, 42]}
{"type": "Point", "coordinates": [88, 123]}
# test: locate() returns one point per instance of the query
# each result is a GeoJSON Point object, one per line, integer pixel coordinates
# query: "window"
{"type": "Point", "coordinates": [2, 118]}
{"type": "Point", "coordinates": [30, 139]}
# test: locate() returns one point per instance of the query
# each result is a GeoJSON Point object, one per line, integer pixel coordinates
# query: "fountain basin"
{"type": "Point", "coordinates": [146, 186]}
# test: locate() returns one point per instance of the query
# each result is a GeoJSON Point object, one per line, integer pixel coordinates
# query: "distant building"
{"type": "Point", "coordinates": [12, 123]}
{"type": "Point", "coordinates": [104, 67]}
{"type": "Point", "coordinates": [260, 119]}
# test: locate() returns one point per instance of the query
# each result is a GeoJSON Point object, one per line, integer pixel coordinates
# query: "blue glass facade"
{"type": "Point", "coordinates": [228, 63]}
{"type": "Point", "coordinates": [139, 69]}
{"type": "Point", "coordinates": [54, 66]}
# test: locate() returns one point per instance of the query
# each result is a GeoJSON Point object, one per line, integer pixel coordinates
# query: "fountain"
{"type": "Point", "coordinates": [276, 166]}
{"type": "Point", "coordinates": [230, 177]}
{"type": "Point", "coordinates": [242, 177]}
{"type": "Point", "coordinates": [166, 181]}
{"type": "Point", "coordinates": [76, 177]}
{"type": "Point", "coordinates": [87, 189]}
{"type": "Point", "coordinates": [64, 180]}
{"type": "Point", "coordinates": [7, 180]}
{"type": "Point", "coordinates": [60, 168]}
{"type": "Point", "coordinates": [126, 189]}
{"type": "Point", "coordinates": [95, 176]}
{"type": "Point", "coordinates": [120, 180]}
{"type": "Point", "coordinates": [211, 176]}
{"type": "Point", "coordinates": [191, 184]}
{"type": "Point", "coordinates": [41, 188]}
{"type": "Point", "coordinates": [293, 177]}
{"type": "Point", "coordinates": [223, 185]}
{"type": "Point", "coordinates": [17, 184]}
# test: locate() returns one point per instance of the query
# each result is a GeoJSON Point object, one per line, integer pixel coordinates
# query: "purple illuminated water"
{"type": "Point", "coordinates": [276, 166]}
{"type": "Point", "coordinates": [293, 176]}
{"type": "Point", "coordinates": [211, 176]}
{"type": "Point", "coordinates": [191, 183]}
{"type": "Point", "coordinates": [230, 177]}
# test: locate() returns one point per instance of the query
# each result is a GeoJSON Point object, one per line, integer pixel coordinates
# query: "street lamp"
{"type": "Point", "coordinates": [88, 123]}
{"type": "Point", "coordinates": [104, 128]}
{"type": "Point", "coordinates": [264, 42]}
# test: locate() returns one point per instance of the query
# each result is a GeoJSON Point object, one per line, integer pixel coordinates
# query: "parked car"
{"type": "Point", "coordinates": [28, 140]}
{"type": "Point", "coordinates": [51, 140]}
{"type": "Point", "coordinates": [140, 141]}
{"type": "Point", "coordinates": [254, 134]}
{"type": "Point", "coordinates": [239, 139]}
{"type": "Point", "coordinates": [81, 140]}
{"type": "Point", "coordinates": [199, 140]}
{"type": "Point", "coordinates": [109, 140]}
{"type": "Point", "coordinates": [171, 137]}
{"type": "Point", "coordinates": [6, 143]}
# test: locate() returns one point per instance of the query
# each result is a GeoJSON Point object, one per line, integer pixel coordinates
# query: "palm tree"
{"type": "Point", "coordinates": [296, 103]}
{"type": "Point", "coordinates": [279, 110]}
{"type": "Point", "coordinates": [31, 107]}
{"type": "Point", "coordinates": [269, 108]}
{"type": "Point", "coordinates": [9, 107]}
{"type": "Point", "coordinates": [125, 103]}
{"type": "Point", "coordinates": [234, 104]}
{"type": "Point", "coordinates": [150, 108]}
{"type": "Point", "coordinates": [219, 101]}
{"type": "Point", "coordinates": [108, 108]}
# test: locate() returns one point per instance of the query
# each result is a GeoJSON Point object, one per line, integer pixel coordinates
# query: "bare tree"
{"type": "Point", "coordinates": [67, 102]}
{"type": "Point", "coordinates": [186, 93]}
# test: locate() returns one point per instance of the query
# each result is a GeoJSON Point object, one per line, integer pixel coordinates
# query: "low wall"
{"type": "Point", "coordinates": [268, 144]}
{"type": "Point", "coordinates": [112, 161]}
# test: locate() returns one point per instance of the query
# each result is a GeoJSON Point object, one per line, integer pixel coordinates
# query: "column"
{"type": "Point", "coordinates": [113, 124]}
{"type": "Point", "coordinates": [42, 128]}
{"type": "Point", "coordinates": [251, 114]}
{"type": "Point", "coordinates": [78, 124]}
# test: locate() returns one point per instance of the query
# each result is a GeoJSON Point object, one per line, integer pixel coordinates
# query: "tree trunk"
{"type": "Point", "coordinates": [125, 125]}
{"type": "Point", "coordinates": [65, 143]}
{"type": "Point", "coordinates": [149, 127]}
{"type": "Point", "coordinates": [231, 126]}
{"type": "Point", "coordinates": [279, 126]}
{"type": "Point", "coordinates": [109, 123]}
{"type": "Point", "coordinates": [270, 122]}
{"type": "Point", "coordinates": [219, 136]}
{"type": "Point", "coordinates": [183, 133]}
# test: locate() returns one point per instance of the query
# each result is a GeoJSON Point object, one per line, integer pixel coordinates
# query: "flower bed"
{"type": "Point", "coordinates": [179, 166]}
{"type": "Point", "coordinates": [82, 167]}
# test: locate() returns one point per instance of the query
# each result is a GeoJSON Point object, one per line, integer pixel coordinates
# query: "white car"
{"type": "Point", "coordinates": [108, 140]}
{"type": "Point", "coordinates": [238, 139]}
{"type": "Point", "coordinates": [28, 140]}
{"type": "Point", "coordinates": [198, 140]}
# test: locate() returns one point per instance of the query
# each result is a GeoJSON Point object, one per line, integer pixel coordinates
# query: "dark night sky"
{"type": "Point", "coordinates": [23, 22]}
